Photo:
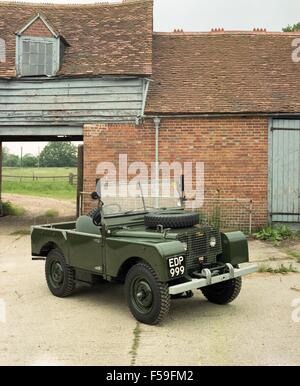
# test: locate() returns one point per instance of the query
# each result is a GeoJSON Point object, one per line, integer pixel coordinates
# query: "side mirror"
{"type": "Point", "coordinates": [95, 196]}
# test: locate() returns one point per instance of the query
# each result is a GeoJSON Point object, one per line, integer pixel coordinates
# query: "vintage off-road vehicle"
{"type": "Point", "coordinates": [158, 253]}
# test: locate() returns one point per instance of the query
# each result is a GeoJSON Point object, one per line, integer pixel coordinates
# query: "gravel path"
{"type": "Point", "coordinates": [94, 327]}
{"type": "Point", "coordinates": [37, 206]}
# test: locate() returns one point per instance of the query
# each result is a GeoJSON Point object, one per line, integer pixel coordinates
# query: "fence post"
{"type": "Point", "coordinates": [71, 179]}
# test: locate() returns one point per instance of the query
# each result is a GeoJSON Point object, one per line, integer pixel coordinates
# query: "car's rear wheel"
{"type": "Point", "coordinates": [147, 297]}
{"type": "Point", "coordinates": [223, 293]}
{"type": "Point", "coordinates": [59, 276]}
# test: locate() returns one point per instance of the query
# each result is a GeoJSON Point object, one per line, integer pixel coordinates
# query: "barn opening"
{"type": "Point", "coordinates": [34, 189]}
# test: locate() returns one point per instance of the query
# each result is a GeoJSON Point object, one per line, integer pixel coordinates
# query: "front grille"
{"type": "Point", "coordinates": [198, 247]}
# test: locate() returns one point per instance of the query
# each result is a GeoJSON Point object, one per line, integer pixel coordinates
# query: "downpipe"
{"type": "Point", "coordinates": [157, 121]}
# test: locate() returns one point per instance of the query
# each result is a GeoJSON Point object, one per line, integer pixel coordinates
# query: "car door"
{"type": "Point", "coordinates": [86, 251]}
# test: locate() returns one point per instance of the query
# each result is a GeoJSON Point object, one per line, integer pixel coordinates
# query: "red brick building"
{"type": "Point", "coordinates": [228, 99]}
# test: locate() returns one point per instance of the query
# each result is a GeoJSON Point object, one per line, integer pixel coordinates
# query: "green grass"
{"type": "Point", "coordinates": [282, 269]}
{"type": "Point", "coordinates": [21, 232]}
{"type": "Point", "coordinates": [135, 343]}
{"type": "Point", "coordinates": [51, 213]}
{"type": "Point", "coordinates": [60, 189]}
{"type": "Point", "coordinates": [11, 210]}
{"type": "Point", "coordinates": [46, 172]}
{"type": "Point", "coordinates": [295, 254]}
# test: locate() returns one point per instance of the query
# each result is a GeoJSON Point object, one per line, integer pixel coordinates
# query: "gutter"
{"type": "Point", "coordinates": [222, 115]}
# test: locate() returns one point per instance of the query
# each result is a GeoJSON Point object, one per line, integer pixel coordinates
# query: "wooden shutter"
{"type": "Point", "coordinates": [37, 57]}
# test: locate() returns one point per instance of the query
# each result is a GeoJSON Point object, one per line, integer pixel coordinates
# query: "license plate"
{"type": "Point", "coordinates": [176, 266]}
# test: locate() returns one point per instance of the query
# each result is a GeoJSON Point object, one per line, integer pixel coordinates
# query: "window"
{"type": "Point", "coordinates": [38, 56]}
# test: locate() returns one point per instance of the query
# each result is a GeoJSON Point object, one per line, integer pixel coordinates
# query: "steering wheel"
{"type": "Point", "coordinates": [97, 217]}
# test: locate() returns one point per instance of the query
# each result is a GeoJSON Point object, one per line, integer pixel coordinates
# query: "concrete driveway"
{"type": "Point", "coordinates": [94, 327]}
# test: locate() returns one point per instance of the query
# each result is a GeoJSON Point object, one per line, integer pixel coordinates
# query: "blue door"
{"type": "Point", "coordinates": [285, 171]}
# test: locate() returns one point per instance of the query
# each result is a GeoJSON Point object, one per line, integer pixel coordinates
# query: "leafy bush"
{"type": "Point", "coordinates": [59, 154]}
{"type": "Point", "coordinates": [275, 234]}
{"type": "Point", "coordinates": [10, 210]}
{"type": "Point", "coordinates": [292, 28]}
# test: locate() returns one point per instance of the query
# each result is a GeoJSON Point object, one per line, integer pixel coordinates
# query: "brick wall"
{"type": "Point", "coordinates": [234, 152]}
{"type": "Point", "coordinates": [38, 28]}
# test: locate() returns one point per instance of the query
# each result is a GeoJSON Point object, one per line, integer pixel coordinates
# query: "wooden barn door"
{"type": "Point", "coordinates": [285, 171]}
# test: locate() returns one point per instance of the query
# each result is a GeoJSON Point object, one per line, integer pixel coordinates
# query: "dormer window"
{"type": "Point", "coordinates": [38, 49]}
{"type": "Point", "coordinates": [38, 56]}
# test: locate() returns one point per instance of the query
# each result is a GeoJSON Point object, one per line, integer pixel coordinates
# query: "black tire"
{"type": "Point", "coordinates": [223, 293]}
{"type": "Point", "coordinates": [168, 219]}
{"type": "Point", "coordinates": [154, 306]}
{"type": "Point", "coordinates": [59, 276]}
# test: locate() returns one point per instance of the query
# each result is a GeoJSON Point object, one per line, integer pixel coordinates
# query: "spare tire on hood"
{"type": "Point", "coordinates": [171, 219]}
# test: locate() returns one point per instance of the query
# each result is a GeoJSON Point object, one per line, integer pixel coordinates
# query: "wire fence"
{"type": "Point", "coordinates": [71, 178]}
{"type": "Point", "coordinates": [227, 214]}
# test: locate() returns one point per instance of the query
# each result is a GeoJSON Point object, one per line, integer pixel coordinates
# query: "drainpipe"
{"type": "Point", "coordinates": [1, 156]}
{"type": "Point", "coordinates": [157, 121]}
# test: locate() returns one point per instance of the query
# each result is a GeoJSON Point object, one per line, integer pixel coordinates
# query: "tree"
{"type": "Point", "coordinates": [29, 161]}
{"type": "Point", "coordinates": [12, 161]}
{"type": "Point", "coordinates": [292, 28]}
{"type": "Point", "coordinates": [59, 154]}
{"type": "Point", "coordinates": [5, 155]}
{"type": "Point", "coordinates": [9, 160]}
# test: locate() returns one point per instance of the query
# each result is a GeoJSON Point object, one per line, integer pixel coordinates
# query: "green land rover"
{"type": "Point", "coordinates": [159, 254]}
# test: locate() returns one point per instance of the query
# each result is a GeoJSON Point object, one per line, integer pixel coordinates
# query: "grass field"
{"type": "Point", "coordinates": [43, 187]}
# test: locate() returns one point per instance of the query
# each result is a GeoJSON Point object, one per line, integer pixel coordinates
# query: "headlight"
{"type": "Point", "coordinates": [185, 246]}
{"type": "Point", "coordinates": [212, 242]}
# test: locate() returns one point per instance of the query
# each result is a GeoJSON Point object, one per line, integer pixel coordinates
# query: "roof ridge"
{"type": "Point", "coordinates": [83, 5]}
{"type": "Point", "coordinates": [218, 33]}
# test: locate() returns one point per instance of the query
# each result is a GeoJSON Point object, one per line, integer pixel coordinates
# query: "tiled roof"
{"type": "Point", "coordinates": [113, 39]}
{"type": "Point", "coordinates": [224, 72]}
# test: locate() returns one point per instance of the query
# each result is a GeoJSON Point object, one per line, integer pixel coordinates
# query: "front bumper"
{"type": "Point", "coordinates": [209, 279]}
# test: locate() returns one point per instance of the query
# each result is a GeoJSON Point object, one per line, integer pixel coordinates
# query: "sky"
{"type": "Point", "coordinates": [203, 15]}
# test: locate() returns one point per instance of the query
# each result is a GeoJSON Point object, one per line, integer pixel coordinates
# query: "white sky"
{"type": "Point", "coordinates": [202, 15]}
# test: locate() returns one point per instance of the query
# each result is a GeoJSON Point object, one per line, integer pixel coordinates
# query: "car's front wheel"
{"type": "Point", "coordinates": [59, 276]}
{"type": "Point", "coordinates": [147, 297]}
{"type": "Point", "coordinates": [223, 293]}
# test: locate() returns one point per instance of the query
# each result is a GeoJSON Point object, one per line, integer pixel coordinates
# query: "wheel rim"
{"type": "Point", "coordinates": [56, 274]}
{"type": "Point", "coordinates": [141, 295]}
